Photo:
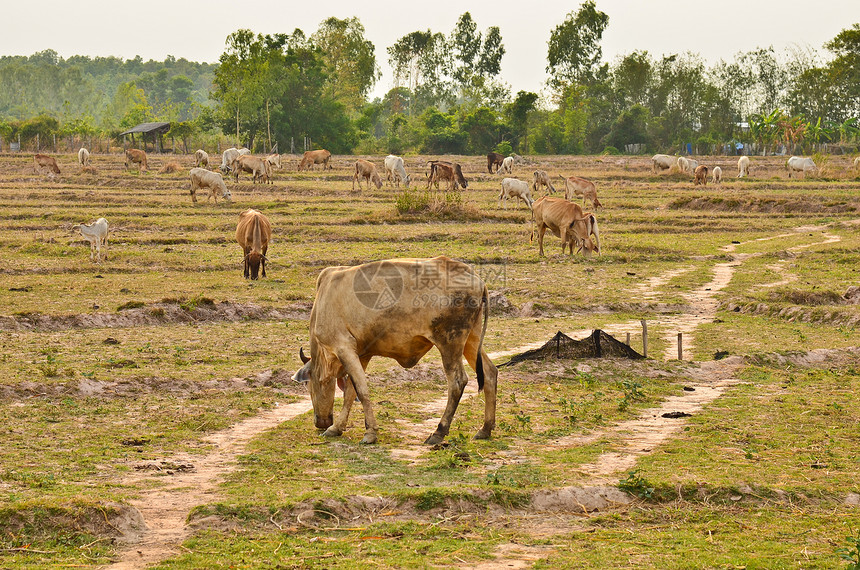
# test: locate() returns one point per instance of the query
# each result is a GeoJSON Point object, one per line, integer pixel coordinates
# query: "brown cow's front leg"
{"type": "Point", "coordinates": [541, 231]}
{"type": "Point", "coordinates": [355, 369]}
{"type": "Point", "coordinates": [339, 426]}
{"type": "Point", "coordinates": [452, 362]}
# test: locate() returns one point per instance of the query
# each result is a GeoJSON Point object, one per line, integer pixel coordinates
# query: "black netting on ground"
{"type": "Point", "coordinates": [598, 345]}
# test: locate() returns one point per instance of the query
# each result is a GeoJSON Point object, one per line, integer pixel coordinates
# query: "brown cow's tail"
{"type": "Point", "coordinates": [479, 360]}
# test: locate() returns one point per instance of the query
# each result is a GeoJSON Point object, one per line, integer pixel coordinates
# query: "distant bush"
{"type": "Point", "coordinates": [610, 150]}
{"type": "Point", "coordinates": [504, 148]}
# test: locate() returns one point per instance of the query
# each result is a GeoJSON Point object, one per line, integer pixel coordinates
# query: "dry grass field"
{"type": "Point", "coordinates": [148, 417]}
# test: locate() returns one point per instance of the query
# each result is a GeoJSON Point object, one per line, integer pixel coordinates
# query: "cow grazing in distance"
{"type": "Point", "coordinates": [97, 234]}
{"type": "Point", "coordinates": [717, 175]}
{"type": "Point", "coordinates": [743, 166]}
{"type": "Point", "coordinates": [802, 164]}
{"type": "Point", "coordinates": [258, 168]}
{"type": "Point", "coordinates": [662, 161]}
{"type": "Point", "coordinates": [136, 156]}
{"type": "Point", "coordinates": [382, 309]}
{"type": "Point", "coordinates": [312, 157]}
{"type": "Point", "coordinates": [201, 158]}
{"type": "Point", "coordinates": [253, 232]}
{"type": "Point", "coordinates": [567, 221]}
{"type": "Point", "coordinates": [513, 188]}
{"type": "Point", "coordinates": [541, 178]}
{"type": "Point", "coordinates": [41, 161]}
{"type": "Point", "coordinates": [508, 165]}
{"type": "Point", "coordinates": [229, 156]}
{"type": "Point", "coordinates": [687, 165]}
{"type": "Point", "coordinates": [367, 170]}
{"type": "Point", "coordinates": [494, 161]}
{"type": "Point", "coordinates": [202, 178]}
{"type": "Point", "coordinates": [394, 169]}
{"type": "Point", "coordinates": [274, 160]}
{"type": "Point", "coordinates": [444, 170]}
{"type": "Point", "coordinates": [83, 157]}
{"type": "Point", "coordinates": [701, 175]}
{"type": "Point", "coordinates": [857, 164]}
{"type": "Point", "coordinates": [576, 186]}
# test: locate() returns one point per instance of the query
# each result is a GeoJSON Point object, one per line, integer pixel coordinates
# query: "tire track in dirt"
{"type": "Point", "coordinates": [166, 508]}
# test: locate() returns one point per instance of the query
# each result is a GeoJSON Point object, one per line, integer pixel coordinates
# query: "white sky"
{"type": "Point", "coordinates": [197, 30]}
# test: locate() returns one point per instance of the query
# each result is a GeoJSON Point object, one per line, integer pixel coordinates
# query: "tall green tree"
{"type": "Point", "coordinates": [350, 60]}
{"type": "Point", "coordinates": [574, 51]}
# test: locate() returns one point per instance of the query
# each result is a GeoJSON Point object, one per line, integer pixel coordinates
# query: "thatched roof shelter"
{"type": "Point", "coordinates": [155, 130]}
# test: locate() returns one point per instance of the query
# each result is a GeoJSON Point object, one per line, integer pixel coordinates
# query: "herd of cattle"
{"type": "Point", "coordinates": [577, 229]}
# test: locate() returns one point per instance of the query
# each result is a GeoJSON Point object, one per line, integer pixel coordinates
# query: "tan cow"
{"type": "Point", "coordinates": [541, 178]}
{"type": "Point", "coordinates": [367, 170]}
{"type": "Point", "coordinates": [41, 161]}
{"type": "Point", "coordinates": [253, 233]}
{"type": "Point", "coordinates": [258, 168]}
{"type": "Point", "coordinates": [576, 186]}
{"type": "Point", "coordinates": [312, 157]}
{"type": "Point", "coordinates": [701, 175]}
{"type": "Point", "coordinates": [204, 178]}
{"type": "Point", "coordinates": [444, 170]}
{"type": "Point", "coordinates": [567, 221]}
{"type": "Point", "coordinates": [400, 309]}
{"type": "Point", "coordinates": [136, 156]}
{"type": "Point", "coordinates": [201, 158]}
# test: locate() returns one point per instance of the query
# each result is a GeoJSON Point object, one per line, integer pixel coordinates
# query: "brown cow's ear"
{"type": "Point", "coordinates": [304, 358]}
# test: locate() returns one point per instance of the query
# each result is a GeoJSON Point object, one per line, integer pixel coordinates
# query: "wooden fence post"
{"type": "Point", "coordinates": [644, 338]}
{"type": "Point", "coordinates": [680, 346]}
{"type": "Point", "coordinates": [628, 340]}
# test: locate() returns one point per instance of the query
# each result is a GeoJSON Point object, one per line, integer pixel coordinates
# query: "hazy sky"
{"type": "Point", "coordinates": [197, 30]}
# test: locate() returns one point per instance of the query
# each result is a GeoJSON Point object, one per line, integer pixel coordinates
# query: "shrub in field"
{"type": "Point", "coordinates": [435, 204]}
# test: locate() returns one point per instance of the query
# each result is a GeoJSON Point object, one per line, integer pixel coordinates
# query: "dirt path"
{"type": "Point", "coordinates": [166, 507]}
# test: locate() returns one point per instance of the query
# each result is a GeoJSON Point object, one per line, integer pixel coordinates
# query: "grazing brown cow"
{"type": "Point", "coordinates": [258, 168]}
{"type": "Point", "coordinates": [312, 157]}
{"type": "Point", "coordinates": [367, 170]}
{"type": "Point", "coordinates": [567, 221]}
{"type": "Point", "coordinates": [444, 170]}
{"type": "Point", "coordinates": [44, 161]}
{"type": "Point", "coordinates": [494, 160]}
{"type": "Point", "coordinates": [400, 309]}
{"type": "Point", "coordinates": [136, 156]}
{"type": "Point", "coordinates": [701, 174]}
{"type": "Point", "coordinates": [253, 233]}
{"type": "Point", "coordinates": [541, 178]}
{"type": "Point", "coordinates": [576, 186]}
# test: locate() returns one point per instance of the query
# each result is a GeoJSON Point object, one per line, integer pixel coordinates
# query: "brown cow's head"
{"type": "Point", "coordinates": [581, 230]}
{"type": "Point", "coordinates": [252, 264]}
{"type": "Point", "coordinates": [458, 173]}
{"type": "Point", "coordinates": [320, 377]}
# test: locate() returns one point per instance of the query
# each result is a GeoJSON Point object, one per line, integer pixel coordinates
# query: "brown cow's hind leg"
{"type": "Point", "coordinates": [452, 362]}
{"type": "Point", "coordinates": [491, 375]}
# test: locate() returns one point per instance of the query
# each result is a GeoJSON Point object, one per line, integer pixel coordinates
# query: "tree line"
{"type": "Point", "coordinates": [448, 95]}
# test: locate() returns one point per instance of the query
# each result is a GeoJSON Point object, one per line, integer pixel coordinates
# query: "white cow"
{"type": "Point", "coordinates": [800, 164]}
{"type": "Point", "coordinates": [662, 161]}
{"type": "Point", "coordinates": [717, 175]}
{"type": "Point", "coordinates": [513, 188]}
{"type": "Point", "coordinates": [203, 178]}
{"type": "Point", "coordinates": [394, 169]}
{"type": "Point", "coordinates": [201, 158]}
{"type": "Point", "coordinates": [687, 165]}
{"type": "Point", "coordinates": [229, 156]}
{"type": "Point", "coordinates": [274, 160]}
{"type": "Point", "coordinates": [84, 156]}
{"type": "Point", "coordinates": [857, 164]}
{"type": "Point", "coordinates": [508, 165]}
{"type": "Point", "coordinates": [743, 166]}
{"type": "Point", "coordinates": [96, 233]}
